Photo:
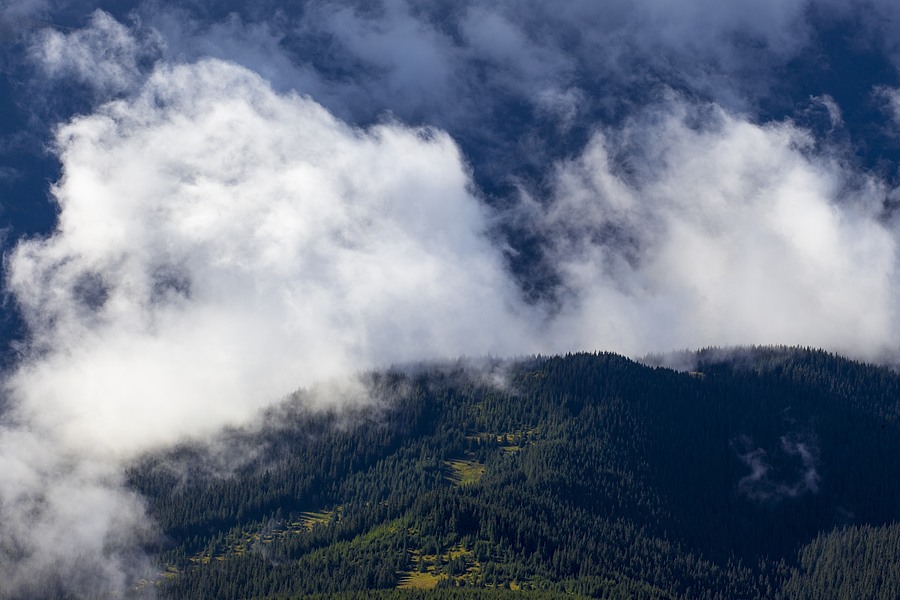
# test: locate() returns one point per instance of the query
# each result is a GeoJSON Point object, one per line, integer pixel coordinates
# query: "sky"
{"type": "Point", "coordinates": [205, 206]}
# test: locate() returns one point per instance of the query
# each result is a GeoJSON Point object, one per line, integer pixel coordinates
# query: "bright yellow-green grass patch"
{"type": "Point", "coordinates": [464, 472]}
{"type": "Point", "coordinates": [420, 581]}
{"type": "Point", "coordinates": [429, 569]}
{"type": "Point", "coordinates": [310, 519]}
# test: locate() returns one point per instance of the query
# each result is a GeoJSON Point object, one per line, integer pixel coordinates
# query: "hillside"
{"type": "Point", "coordinates": [764, 472]}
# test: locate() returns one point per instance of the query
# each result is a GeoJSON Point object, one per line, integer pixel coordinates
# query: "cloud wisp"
{"type": "Point", "coordinates": [767, 484]}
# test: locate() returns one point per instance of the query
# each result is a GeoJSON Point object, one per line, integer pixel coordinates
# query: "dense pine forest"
{"type": "Point", "coordinates": [758, 473]}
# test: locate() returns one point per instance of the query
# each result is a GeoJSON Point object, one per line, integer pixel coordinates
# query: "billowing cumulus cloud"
{"type": "Point", "coordinates": [692, 227]}
{"type": "Point", "coordinates": [219, 244]}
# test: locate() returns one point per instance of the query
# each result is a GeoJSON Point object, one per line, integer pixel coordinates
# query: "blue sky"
{"type": "Point", "coordinates": [207, 205]}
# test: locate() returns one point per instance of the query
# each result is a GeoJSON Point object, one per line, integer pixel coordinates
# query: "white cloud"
{"type": "Point", "coordinates": [219, 244]}
{"type": "Point", "coordinates": [891, 99]}
{"type": "Point", "coordinates": [106, 55]}
{"type": "Point", "coordinates": [724, 232]}
{"type": "Point", "coordinates": [67, 524]}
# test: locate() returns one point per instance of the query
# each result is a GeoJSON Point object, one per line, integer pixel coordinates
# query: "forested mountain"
{"type": "Point", "coordinates": [760, 473]}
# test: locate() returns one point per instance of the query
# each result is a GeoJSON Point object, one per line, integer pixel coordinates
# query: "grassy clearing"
{"type": "Point", "coordinates": [310, 519]}
{"type": "Point", "coordinates": [464, 472]}
{"type": "Point", "coordinates": [511, 441]}
{"type": "Point", "coordinates": [238, 545]}
{"type": "Point", "coordinates": [420, 581]}
{"type": "Point", "coordinates": [429, 569]}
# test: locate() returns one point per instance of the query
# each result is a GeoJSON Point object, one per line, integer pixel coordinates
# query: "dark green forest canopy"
{"type": "Point", "coordinates": [758, 473]}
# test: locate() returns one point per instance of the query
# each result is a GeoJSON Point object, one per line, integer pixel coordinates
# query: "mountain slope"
{"type": "Point", "coordinates": [589, 474]}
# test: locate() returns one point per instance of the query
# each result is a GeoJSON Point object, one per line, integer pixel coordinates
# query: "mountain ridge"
{"type": "Point", "coordinates": [585, 473]}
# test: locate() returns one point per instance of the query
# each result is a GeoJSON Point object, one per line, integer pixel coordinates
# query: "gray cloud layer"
{"type": "Point", "coordinates": [224, 238]}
